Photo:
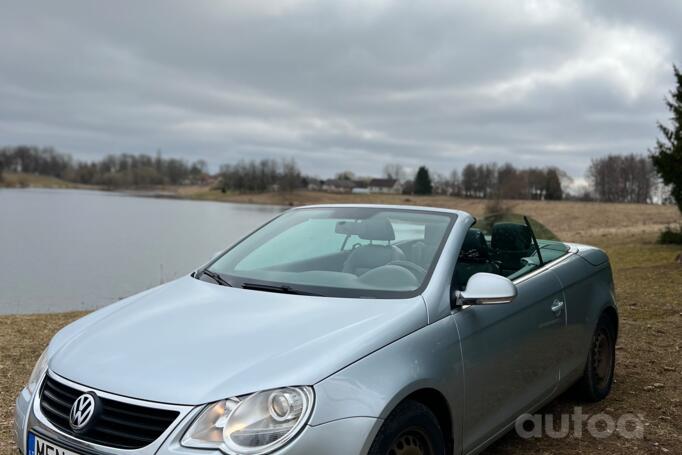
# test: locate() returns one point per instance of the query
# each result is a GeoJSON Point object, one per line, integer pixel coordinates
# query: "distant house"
{"type": "Point", "coordinates": [338, 186]}
{"type": "Point", "coordinates": [385, 186]}
{"type": "Point", "coordinates": [315, 184]}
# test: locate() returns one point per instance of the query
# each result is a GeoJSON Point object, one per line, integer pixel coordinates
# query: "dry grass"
{"type": "Point", "coordinates": [648, 287]}
{"type": "Point", "coordinates": [22, 339]}
{"type": "Point", "coordinates": [568, 219]}
{"type": "Point", "coordinates": [20, 180]}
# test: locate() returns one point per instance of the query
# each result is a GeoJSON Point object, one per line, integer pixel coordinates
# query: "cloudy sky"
{"type": "Point", "coordinates": [350, 84]}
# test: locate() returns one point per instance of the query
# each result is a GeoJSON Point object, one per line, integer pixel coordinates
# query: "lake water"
{"type": "Point", "coordinates": [64, 250]}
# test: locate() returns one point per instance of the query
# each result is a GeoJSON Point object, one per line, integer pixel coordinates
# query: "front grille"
{"type": "Point", "coordinates": [120, 425]}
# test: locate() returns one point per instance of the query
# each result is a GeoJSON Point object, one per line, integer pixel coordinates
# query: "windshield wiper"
{"type": "Point", "coordinates": [215, 277]}
{"type": "Point", "coordinates": [278, 289]}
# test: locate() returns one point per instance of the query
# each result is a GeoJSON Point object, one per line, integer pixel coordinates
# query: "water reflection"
{"type": "Point", "coordinates": [63, 250]}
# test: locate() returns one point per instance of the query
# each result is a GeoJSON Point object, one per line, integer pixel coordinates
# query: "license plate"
{"type": "Point", "coordinates": [40, 446]}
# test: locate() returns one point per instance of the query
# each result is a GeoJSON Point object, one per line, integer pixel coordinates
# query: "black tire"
{"type": "Point", "coordinates": [410, 429]}
{"type": "Point", "coordinates": [597, 379]}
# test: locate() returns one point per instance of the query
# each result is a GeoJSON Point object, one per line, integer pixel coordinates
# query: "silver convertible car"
{"type": "Point", "coordinates": [333, 330]}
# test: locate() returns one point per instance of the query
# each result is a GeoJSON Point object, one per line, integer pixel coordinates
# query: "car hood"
{"type": "Point", "coordinates": [192, 342]}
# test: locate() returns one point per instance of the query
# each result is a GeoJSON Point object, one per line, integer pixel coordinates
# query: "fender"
{"type": "Point", "coordinates": [386, 377]}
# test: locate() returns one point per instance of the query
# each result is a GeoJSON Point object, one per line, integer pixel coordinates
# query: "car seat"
{"type": "Point", "coordinates": [510, 243]}
{"type": "Point", "coordinates": [368, 257]}
{"type": "Point", "coordinates": [474, 257]}
{"type": "Point", "coordinates": [422, 251]}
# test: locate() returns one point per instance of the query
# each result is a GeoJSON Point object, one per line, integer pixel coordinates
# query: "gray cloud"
{"type": "Point", "coordinates": [339, 85]}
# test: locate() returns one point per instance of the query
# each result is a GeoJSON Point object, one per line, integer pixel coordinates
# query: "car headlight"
{"type": "Point", "coordinates": [38, 372]}
{"type": "Point", "coordinates": [253, 424]}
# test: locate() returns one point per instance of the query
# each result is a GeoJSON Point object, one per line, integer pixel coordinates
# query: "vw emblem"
{"type": "Point", "coordinates": [82, 411]}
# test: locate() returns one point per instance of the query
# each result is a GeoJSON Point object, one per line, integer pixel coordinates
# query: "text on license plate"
{"type": "Point", "coordinates": [39, 446]}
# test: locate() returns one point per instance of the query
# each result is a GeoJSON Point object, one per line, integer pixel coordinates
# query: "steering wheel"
{"type": "Point", "coordinates": [418, 271]}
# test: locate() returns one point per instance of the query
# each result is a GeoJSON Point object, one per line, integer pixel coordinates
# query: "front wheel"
{"type": "Point", "coordinates": [597, 379]}
{"type": "Point", "coordinates": [411, 429]}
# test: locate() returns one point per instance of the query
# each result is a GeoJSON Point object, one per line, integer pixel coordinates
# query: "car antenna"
{"type": "Point", "coordinates": [535, 240]}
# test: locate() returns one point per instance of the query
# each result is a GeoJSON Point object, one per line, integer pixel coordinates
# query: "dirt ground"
{"type": "Point", "coordinates": [649, 361]}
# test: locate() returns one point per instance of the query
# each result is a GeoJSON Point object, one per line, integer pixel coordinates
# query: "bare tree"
{"type": "Point", "coordinates": [511, 183]}
{"type": "Point", "coordinates": [394, 171]}
{"type": "Point", "coordinates": [455, 183]}
{"type": "Point", "coordinates": [486, 180]}
{"type": "Point", "coordinates": [622, 178]}
{"type": "Point", "coordinates": [290, 178]}
{"type": "Point", "coordinates": [441, 184]}
{"type": "Point", "coordinates": [469, 177]}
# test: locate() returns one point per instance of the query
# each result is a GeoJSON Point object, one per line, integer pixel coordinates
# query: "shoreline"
{"type": "Point", "coordinates": [293, 198]}
{"type": "Point", "coordinates": [575, 220]}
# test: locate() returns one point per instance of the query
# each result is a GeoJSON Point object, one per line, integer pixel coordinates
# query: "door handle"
{"type": "Point", "coordinates": [557, 306]}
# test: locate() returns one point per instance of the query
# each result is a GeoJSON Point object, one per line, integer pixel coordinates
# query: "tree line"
{"type": "Point", "coordinates": [486, 181]}
{"type": "Point", "coordinates": [615, 178]}
{"type": "Point", "coordinates": [129, 171]}
{"type": "Point", "coordinates": [489, 180]}
{"type": "Point", "coordinates": [112, 171]}
{"type": "Point", "coordinates": [259, 176]}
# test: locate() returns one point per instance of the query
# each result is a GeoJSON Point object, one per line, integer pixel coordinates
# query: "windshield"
{"type": "Point", "coordinates": [339, 252]}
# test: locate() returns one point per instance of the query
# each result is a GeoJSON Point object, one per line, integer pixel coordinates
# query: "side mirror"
{"type": "Point", "coordinates": [486, 289]}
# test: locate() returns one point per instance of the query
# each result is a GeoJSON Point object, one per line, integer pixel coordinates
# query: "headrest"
{"type": "Point", "coordinates": [433, 233]}
{"type": "Point", "coordinates": [474, 247]}
{"type": "Point", "coordinates": [511, 237]}
{"type": "Point", "coordinates": [376, 229]}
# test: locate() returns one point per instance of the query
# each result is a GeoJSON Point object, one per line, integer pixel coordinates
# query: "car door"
{"type": "Point", "coordinates": [510, 358]}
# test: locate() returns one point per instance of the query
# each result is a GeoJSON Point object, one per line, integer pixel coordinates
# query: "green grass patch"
{"type": "Point", "coordinates": [671, 236]}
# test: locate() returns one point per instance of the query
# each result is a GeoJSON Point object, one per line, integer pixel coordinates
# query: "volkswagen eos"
{"type": "Point", "coordinates": [341, 329]}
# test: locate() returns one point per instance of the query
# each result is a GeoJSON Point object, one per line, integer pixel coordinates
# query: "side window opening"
{"type": "Point", "coordinates": [505, 248]}
{"type": "Point", "coordinates": [475, 256]}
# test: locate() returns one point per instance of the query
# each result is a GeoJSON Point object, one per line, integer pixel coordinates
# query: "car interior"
{"type": "Point", "coordinates": [390, 253]}
{"type": "Point", "coordinates": [509, 251]}
{"type": "Point", "coordinates": [370, 256]}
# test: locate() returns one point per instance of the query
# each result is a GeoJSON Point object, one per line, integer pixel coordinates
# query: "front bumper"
{"type": "Point", "coordinates": [21, 409]}
{"type": "Point", "coordinates": [348, 436]}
